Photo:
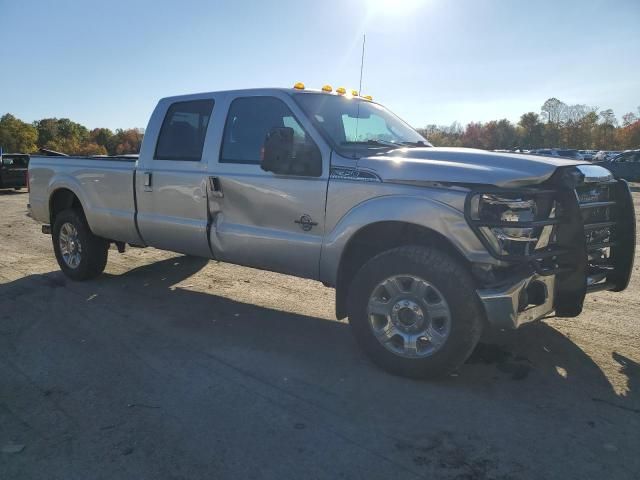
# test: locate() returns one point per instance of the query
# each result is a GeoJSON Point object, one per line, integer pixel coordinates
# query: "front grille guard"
{"type": "Point", "coordinates": [568, 256]}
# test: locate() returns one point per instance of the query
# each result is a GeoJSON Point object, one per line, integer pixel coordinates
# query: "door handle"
{"type": "Point", "coordinates": [215, 188]}
{"type": "Point", "coordinates": [306, 223]}
{"type": "Point", "coordinates": [147, 182]}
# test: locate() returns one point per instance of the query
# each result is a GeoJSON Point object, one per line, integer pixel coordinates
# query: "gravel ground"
{"type": "Point", "coordinates": [175, 367]}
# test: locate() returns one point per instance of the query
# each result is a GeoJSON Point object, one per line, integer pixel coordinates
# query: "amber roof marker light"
{"type": "Point", "coordinates": [299, 86]}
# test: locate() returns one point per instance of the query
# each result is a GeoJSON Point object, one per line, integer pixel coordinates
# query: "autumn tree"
{"type": "Point", "coordinates": [17, 136]}
{"type": "Point", "coordinates": [554, 111]}
{"type": "Point", "coordinates": [443, 136]}
{"type": "Point", "coordinates": [62, 135]}
{"type": "Point", "coordinates": [606, 129]}
{"type": "Point", "coordinates": [90, 148]}
{"type": "Point", "coordinates": [628, 137]}
{"type": "Point", "coordinates": [72, 138]}
{"type": "Point", "coordinates": [473, 136]}
{"type": "Point", "coordinates": [629, 118]}
{"type": "Point", "coordinates": [101, 136]}
{"type": "Point", "coordinates": [501, 134]}
{"type": "Point", "coordinates": [47, 129]}
{"type": "Point", "coordinates": [125, 142]}
{"type": "Point", "coordinates": [531, 130]}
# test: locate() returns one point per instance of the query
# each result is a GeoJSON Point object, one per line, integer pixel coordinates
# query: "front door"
{"type": "Point", "coordinates": [259, 219]}
{"type": "Point", "coordinates": [171, 181]}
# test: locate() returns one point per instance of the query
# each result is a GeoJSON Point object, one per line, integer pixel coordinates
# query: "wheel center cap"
{"type": "Point", "coordinates": [407, 314]}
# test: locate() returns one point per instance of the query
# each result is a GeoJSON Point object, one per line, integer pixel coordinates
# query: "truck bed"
{"type": "Point", "coordinates": [104, 185]}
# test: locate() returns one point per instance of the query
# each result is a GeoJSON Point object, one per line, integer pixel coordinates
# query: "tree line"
{"type": "Point", "coordinates": [557, 125]}
{"type": "Point", "coordinates": [66, 136]}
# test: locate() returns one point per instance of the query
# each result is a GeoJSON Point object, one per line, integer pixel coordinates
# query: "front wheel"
{"type": "Point", "coordinates": [80, 254]}
{"type": "Point", "coordinates": [415, 312]}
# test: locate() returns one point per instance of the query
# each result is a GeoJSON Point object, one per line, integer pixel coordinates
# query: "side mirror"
{"type": "Point", "coordinates": [277, 151]}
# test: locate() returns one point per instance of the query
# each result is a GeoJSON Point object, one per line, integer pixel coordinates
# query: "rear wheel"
{"type": "Point", "coordinates": [80, 254]}
{"type": "Point", "coordinates": [415, 312]}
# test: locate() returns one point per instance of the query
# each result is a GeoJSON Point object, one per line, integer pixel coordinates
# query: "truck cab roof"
{"type": "Point", "coordinates": [256, 92]}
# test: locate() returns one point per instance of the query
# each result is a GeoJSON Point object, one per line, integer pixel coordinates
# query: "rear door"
{"type": "Point", "coordinates": [171, 180]}
{"type": "Point", "coordinates": [260, 219]}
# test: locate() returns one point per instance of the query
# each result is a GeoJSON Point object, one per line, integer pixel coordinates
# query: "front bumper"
{"type": "Point", "coordinates": [593, 250]}
{"type": "Point", "coordinates": [509, 306]}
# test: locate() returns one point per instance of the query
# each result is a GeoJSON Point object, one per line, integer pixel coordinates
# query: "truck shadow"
{"type": "Point", "coordinates": [534, 366]}
{"type": "Point", "coordinates": [11, 191]}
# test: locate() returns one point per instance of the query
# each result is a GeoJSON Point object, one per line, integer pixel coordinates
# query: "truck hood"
{"type": "Point", "coordinates": [462, 165]}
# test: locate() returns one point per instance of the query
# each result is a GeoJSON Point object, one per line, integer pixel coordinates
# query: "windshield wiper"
{"type": "Point", "coordinates": [375, 143]}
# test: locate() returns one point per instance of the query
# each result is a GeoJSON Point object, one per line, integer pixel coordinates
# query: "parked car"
{"type": "Point", "coordinates": [13, 170]}
{"type": "Point", "coordinates": [605, 155]}
{"type": "Point", "coordinates": [559, 152]}
{"type": "Point", "coordinates": [626, 165]}
{"type": "Point", "coordinates": [587, 154]}
{"type": "Point", "coordinates": [426, 247]}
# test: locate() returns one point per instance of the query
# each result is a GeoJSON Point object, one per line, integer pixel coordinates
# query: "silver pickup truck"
{"type": "Point", "coordinates": [425, 246]}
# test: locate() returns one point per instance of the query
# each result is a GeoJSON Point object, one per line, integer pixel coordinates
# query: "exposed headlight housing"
{"type": "Point", "coordinates": [511, 224]}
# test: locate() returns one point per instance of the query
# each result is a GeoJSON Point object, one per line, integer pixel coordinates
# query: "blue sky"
{"type": "Point", "coordinates": [106, 63]}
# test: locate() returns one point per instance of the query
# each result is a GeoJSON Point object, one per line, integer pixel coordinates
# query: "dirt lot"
{"type": "Point", "coordinates": [174, 367]}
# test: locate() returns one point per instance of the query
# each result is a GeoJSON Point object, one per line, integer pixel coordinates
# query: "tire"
{"type": "Point", "coordinates": [446, 328]}
{"type": "Point", "coordinates": [92, 250]}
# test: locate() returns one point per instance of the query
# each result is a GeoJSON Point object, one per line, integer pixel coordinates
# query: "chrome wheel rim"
{"type": "Point", "coordinates": [70, 246]}
{"type": "Point", "coordinates": [409, 316]}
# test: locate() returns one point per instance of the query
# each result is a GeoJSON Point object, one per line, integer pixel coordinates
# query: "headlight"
{"type": "Point", "coordinates": [492, 213]}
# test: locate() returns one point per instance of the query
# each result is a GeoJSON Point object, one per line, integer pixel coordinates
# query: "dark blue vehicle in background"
{"type": "Point", "coordinates": [626, 165]}
{"type": "Point", "coordinates": [13, 170]}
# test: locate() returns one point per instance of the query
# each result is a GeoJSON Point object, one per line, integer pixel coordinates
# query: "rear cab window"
{"type": "Point", "coordinates": [16, 161]}
{"type": "Point", "coordinates": [184, 130]}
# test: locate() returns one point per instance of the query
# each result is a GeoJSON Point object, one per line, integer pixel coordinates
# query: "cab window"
{"type": "Point", "coordinates": [183, 131]}
{"type": "Point", "coordinates": [249, 121]}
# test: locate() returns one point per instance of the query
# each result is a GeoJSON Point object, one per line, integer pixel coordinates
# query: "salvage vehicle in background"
{"type": "Point", "coordinates": [13, 170]}
{"type": "Point", "coordinates": [605, 155]}
{"type": "Point", "coordinates": [426, 247]}
{"type": "Point", "coordinates": [559, 152]}
{"type": "Point", "coordinates": [587, 154]}
{"type": "Point", "coordinates": [625, 166]}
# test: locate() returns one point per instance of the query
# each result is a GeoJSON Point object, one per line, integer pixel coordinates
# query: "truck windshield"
{"type": "Point", "coordinates": [356, 126]}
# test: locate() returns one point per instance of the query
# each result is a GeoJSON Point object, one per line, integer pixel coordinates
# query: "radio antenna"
{"type": "Point", "coordinates": [364, 41]}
